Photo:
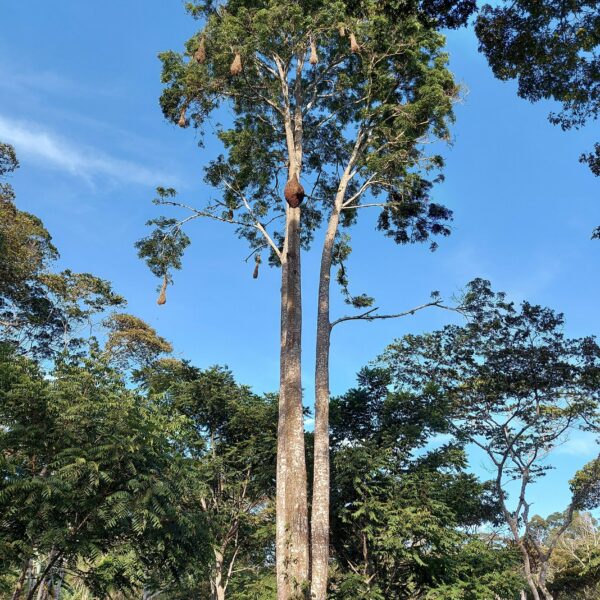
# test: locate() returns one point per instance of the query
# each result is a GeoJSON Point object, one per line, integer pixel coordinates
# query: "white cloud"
{"type": "Point", "coordinates": [581, 444]}
{"type": "Point", "coordinates": [33, 141]}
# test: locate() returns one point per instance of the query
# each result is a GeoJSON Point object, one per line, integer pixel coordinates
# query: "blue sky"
{"type": "Point", "coordinates": [79, 87]}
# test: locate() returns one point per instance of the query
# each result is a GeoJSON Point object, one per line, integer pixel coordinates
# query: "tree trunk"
{"type": "Point", "coordinates": [21, 581]}
{"type": "Point", "coordinates": [292, 547]}
{"type": "Point", "coordinates": [292, 517]}
{"type": "Point", "coordinates": [58, 585]}
{"type": "Point", "coordinates": [321, 477]}
{"type": "Point", "coordinates": [217, 586]}
{"type": "Point", "coordinates": [281, 472]}
{"type": "Point", "coordinates": [529, 576]}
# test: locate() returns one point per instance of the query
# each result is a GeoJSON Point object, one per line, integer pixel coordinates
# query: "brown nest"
{"type": "Point", "coordinates": [162, 297]}
{"type": "Point", "coordinates": [314, 57]}
{"type": "Point", "coordinates": [200, 54]}
{"type": "Point", "coordinates": [293, 192]}
{"type": "Point", "coordinates": [182, 118]}
{"type": "Point", "coordinates": [257, 261]}
{"type": "Point", "coordinates": [236, 65]}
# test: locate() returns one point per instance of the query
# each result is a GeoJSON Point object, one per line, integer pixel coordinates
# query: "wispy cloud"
{"type": "Point", "coordinates": [582, 445]}
{"type": "Point", "coordinates": [32, 141]}
{"type": "Point", "coordinates": [23, 80]}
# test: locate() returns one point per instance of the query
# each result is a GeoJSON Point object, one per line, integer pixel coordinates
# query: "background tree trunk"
{"type": "Point", "coordinates": [321, 476]}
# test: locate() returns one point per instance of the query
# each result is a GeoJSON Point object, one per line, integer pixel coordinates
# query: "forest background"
{"type": "Point", "coordinates": [79, 89]}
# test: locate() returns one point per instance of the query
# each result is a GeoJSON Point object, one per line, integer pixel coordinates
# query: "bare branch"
{"type": "Point", "coordinates": [369, 316]}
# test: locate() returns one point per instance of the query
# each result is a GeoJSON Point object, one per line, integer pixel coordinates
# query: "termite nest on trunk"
{"type": "Point", "coordinates": [293, 192]}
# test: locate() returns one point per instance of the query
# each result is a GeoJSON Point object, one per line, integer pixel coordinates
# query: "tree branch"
{"type": "Point", "coordinates": [369, 316]}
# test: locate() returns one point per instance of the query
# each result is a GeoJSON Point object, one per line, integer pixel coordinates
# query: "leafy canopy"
{"type": "Point", "coordinates": [367, 105]}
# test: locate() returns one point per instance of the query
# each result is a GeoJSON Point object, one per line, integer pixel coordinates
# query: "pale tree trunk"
{"type": "Point", "coordinates": [292, 548]}
{"type": "Point", "coordinates": [217, 586]}
{"type": "Point", "coordinates": [543, 588]}
{"type": "Point", "coordinates": [321, 476]}
{"type": "Point", "coordinates": [528, 574]}
{"type": "Point", "coordinates": [281, 472]}
{"type": "Point", "coordinates": [292, 526]}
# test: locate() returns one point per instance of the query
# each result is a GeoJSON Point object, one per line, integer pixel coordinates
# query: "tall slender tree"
{"type": "Point", "coordinates": [345, 97]}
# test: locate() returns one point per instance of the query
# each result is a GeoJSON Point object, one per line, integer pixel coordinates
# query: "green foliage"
{"type": "Point", "coordinates": [576, 562]}
{"type": "Point", "coordinates": [228, 433]}
{"type": "Point", "coordinates": [400, 509]}
{"type": "Point", "coordinates": [133, 341]}
{"type": "Point", "coordinates": [375, 107]}
{"type": "Point", "coordinates": [41, 312]}
{"type": "Point", "coordinates": [87, 467]}
{"type": "Point", "coordinates": [507, 367]}
{"type": "Point", "coordinates": [163, 249]}
{"type": "Point", "coordinates": [551, 48]}
{"type": "Point", "coordinates": [585, 486]}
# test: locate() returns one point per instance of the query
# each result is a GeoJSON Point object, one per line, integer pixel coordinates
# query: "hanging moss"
{"type": "Point", "coordinates": [236, 65]}
{"type": "Point", "coordinates": [293, 192]}
{"type": "Point", "coordinates": [162, 297]}
{"type": "Point", "coordinates": [314, 57]}
{"type": "Point", "coordinates": [354, 47]}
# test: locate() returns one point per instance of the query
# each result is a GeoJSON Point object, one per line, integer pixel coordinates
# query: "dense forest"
{"type": "Point", "coordinates": [129, 472]}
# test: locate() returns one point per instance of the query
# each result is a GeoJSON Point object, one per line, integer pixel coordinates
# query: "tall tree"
{"type": "Point", "coordinates": [516, 386]}
{"type": "Point", "coordinates": [343, 96]}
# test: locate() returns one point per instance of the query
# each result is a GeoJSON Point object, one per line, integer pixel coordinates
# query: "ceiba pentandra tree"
{"type": "Point", "coordinates": [333, 106]}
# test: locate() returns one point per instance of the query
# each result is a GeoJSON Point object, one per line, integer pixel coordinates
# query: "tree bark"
{"type": "Point", "coordinates": [21, 581]}
{"type": "Point", "coordinates": [292, 545]}
{"type": "Point", "coordinates": [281, 472]}
{"type": "Point", "coordinates": [218, 588]}
{"type": "Point", "coordinates": [292, 548]}
{"type": "Point", "coordinates": [321, 476]}
{"type": "Point", "coordinates": [529, 575]}
{"type": "Point", "coordinates": [292, 470]}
